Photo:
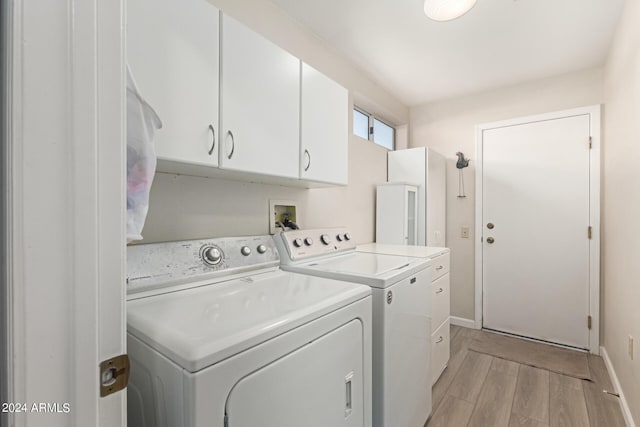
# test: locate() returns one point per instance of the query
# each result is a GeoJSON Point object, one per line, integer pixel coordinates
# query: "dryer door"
{"type": "Point", "coordinates": [318, 385]}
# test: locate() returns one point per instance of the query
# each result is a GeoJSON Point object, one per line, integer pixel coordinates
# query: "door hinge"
{"type": "Point", "coordinates": [589, 232]}
{"type": "Point", "coordinates": [113, 375]}
{"type": "Point", "coordinates": [589, 322]}
{"type": "Point", "coordinates": [590, 143]}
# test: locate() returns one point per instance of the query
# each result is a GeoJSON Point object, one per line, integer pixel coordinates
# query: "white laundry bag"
{"type": "Point", "coordinates": [142, 123]}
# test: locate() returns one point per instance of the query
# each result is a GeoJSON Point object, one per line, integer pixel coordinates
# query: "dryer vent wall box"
{"type": "Point", "coordinates": [281, 211]}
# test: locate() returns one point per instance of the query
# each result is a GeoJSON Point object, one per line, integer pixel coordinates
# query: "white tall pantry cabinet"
{"type": "Point", "coordinates": [426, 169]}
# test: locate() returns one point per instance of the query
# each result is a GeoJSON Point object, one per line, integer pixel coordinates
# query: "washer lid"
{"type": "Point", "coordinates": [376, 270]}
{"type": "Point", "coordinates": [200, 326]}
{"type": "Point", "coordinates": [405, 250]}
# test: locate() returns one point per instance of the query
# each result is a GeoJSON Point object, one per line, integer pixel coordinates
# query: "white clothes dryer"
{"type": "Point", "coordinates": [401, 316]}
{"type": "Point", "coordinates": [219, 336]}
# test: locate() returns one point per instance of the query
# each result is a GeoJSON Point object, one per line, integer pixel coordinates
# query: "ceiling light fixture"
{"type": "Point", "coordinates": [446, 10]}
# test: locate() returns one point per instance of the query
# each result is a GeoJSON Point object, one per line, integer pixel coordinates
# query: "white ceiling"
{"type": "Point", "coordinates": [497, 43]}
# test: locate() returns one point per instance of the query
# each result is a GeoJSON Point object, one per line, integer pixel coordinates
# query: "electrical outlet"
{"type": "Point", "coordinates": [631, 347]}
{"type": "Point", "coordinates": [464, 232]}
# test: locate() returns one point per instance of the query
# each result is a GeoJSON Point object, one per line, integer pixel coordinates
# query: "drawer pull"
{"type": "Point", "coordinates": [440, 267]}
{"type": "Point", "coordinates": [440, 340]}
{"type": "Point", "coordinates": [439, 291]}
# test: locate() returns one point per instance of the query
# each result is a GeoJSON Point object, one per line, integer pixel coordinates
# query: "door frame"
{"type": "Point", "coordinates": [594, 113]}
{"type": "Point", "coordinates": [65, 214]}
{"type": "Point", "coordinates": [5, 173]}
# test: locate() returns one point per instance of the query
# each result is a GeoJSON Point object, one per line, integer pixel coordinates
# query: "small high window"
{"type": "Point", "coordinates": [367, 126]}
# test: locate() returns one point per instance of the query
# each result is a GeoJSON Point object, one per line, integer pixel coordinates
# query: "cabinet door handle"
{"type": "Point", "coordinates": [440, 267]}
{"type": "Point", "coordinates": [439, 291]}
{"type": "Point", "coordinates": [306, 152]}
{"type": "Point", "coordinates": [213, 142]}
{"type": "Point", "coordinates": [233, 145]}
{"type": "Point", "coordinates": [440, 340]}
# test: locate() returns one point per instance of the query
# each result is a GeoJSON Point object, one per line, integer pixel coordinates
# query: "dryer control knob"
{"type": "Point", "coordinates": [212, 255]}
{"type": "Point", "coordinates": [245, 250]}
{"type": "Point", "coordinates": [308, 241]}
{"type": "Point", "coordinates": [261, 249]}
{"type": "Point", "coordinates": [325, 239]}
{"type": "Point", "coordinates": [297, 242]}
{"type": "Point", "coordinates": [347, 236]}
{"type": "Point", "coordinates": [339, 237]}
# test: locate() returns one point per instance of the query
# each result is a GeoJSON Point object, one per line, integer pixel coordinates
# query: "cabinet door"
{"type": "Point", "coordinates": [172, 50]}
{"type": "Point", "coordinates": [260, 104]}
{"type": "Point", "coordinates": [324, 153]}
{"type": "Point", "coordinates": [391, 215]}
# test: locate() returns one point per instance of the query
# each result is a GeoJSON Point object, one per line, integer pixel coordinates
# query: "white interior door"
{"type": "Point", "coordinates": [535, 216]}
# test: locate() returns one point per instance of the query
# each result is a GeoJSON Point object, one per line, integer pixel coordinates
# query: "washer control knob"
{"type": "Point", "coordinates": [297, 242]}
{"type": "Point", "coordinates": [325, 239]}
{"type": "Point", "coordinates": [347, 236]}
{"type": "Point", "coordinates": [339, 237]}
{"type": "Point", "coordinates": [261, 249]}
{"type": "Point", "coordinates": [308, 241]}
{"type": "Point", "coordinates": [245, 250]}
{"type": "Point", "coordinates": [212, 255]}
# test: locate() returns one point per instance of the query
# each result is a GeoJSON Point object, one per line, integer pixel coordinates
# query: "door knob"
{"type": "Point", "coordinates": [490, 226]}
{"type": "Point", "coordinates": [490, 240]}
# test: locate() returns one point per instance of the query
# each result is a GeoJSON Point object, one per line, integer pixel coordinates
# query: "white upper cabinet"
{"type": "Point", "coordinates": [324, 146]}
{"type": "Point", "coordinates": [172, 50]}
{"type": "Point", "coordinates": [260, 104]}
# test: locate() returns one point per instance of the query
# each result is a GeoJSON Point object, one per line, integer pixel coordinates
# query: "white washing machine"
{"type": "Point", "coordinates": [401, 316]}
{"type": "Point", "coordinates": [440, 297]}
{"type": "Point", "coordinates": [219, 336]}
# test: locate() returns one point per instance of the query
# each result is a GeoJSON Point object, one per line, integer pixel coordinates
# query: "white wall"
{"type": "Point", "coordinates": [184, 207]}
{"type": "Point", "coordinates": [621, 204]}
{"type": "Point", "coordinates": [449, 126]}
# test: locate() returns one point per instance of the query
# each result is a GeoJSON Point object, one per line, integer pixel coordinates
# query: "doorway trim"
{"type": "Point", "coordinates": [594, 113]}
{"type": "Point", "coordinates": [66, 208]}
{"type": "Point", "coordinates": [5, 165]}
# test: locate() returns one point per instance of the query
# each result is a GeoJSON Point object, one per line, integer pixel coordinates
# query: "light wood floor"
{"type": "Point", "coordinates": [480, 390]}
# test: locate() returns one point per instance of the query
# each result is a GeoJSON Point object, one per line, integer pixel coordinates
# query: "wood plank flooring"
{"type": "Point", "coordinates": [479, 390]}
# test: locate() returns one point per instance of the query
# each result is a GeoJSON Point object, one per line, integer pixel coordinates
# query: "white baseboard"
{"type": "Point", "coordinates": [461, 321]}
{"type": "Point", "coordinates": [616, 384]}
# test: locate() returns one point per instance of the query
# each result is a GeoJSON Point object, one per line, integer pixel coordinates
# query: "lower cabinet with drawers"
{"type": "Point", "coordinates": [440, 324]}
